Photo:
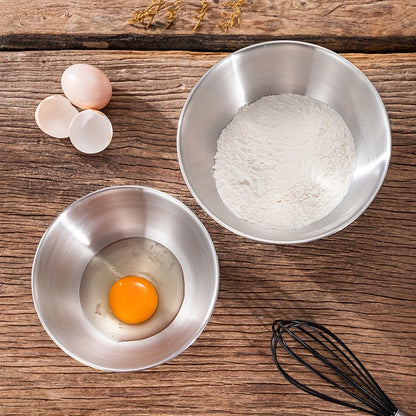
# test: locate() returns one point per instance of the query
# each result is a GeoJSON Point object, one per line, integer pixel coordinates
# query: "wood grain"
{"type": "Point", "coordinates": [352, 26]}
{"type": "Point", "coordinates": [360, 282]}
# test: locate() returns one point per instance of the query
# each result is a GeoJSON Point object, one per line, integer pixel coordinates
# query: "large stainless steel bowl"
{"type": "Point", "coordinates": [94, 222]}
{"type": "Point", "coordinates": [274, 68]}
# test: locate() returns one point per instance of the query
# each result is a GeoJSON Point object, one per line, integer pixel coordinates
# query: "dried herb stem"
{"type": "Point", "coordinates": [147, 15]}
{"type": "Point", "coordinates": [200, 14]}
{"type": "Point", "coordinates": [172, 9]}
{"type": "Point", "coordinates": [232, 18]}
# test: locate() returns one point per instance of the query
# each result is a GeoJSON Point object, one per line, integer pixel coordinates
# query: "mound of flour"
{"type": "Point", "coordinates": [284, 161]}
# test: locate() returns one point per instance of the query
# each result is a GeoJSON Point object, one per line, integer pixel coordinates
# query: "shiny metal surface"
{"type": "Point", "coordinates": [92, 223]}
{"type": "Point", "coordinates": [399, 413]}
{"type": "Point", "coordinates": [273, 68]}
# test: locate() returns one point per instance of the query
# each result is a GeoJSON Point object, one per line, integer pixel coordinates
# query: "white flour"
{"type": "Point", "coordinates": [284, 161]}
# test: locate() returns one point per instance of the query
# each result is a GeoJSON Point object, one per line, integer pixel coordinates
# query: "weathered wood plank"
{"type": "Point", "coordinates": [363, 26]}
{"type": "Point", "coordinates": [360, 282]}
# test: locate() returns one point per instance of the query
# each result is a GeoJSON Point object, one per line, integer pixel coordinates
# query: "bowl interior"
{"type": "Point", "coordinates": [275, 68]}
{"type": "Point", "coordinates": [94, 222]}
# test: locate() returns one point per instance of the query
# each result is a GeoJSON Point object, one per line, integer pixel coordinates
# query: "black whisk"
{"type": "Point", "coordinates": [316, 353]}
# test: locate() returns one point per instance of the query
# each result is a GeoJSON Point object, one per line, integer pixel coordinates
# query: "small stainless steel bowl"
{"type": "Point", "coordinates": [274, 68]}
{"type": "Point", "coordinates": [85, 228]}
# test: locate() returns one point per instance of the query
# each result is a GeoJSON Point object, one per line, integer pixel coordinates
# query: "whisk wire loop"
{"type": "Point", "coordinates": [307, 389]}
{"type": "Point", "coordinates": [361, 386]}
{"type": "Point", "coordinates": [373, 392]}
{"type": "Point", "coordinates": [278, 339]}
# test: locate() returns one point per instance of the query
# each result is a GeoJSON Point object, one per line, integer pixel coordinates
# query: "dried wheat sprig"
{"type": "Point", "coordinates": [147, 15]}
{"type": "Point", "coordinates": [234, 17]}
{"type": "Point", "coordinates": [200, 14]}
{"type": "Point", "coordinates": [172, 10]}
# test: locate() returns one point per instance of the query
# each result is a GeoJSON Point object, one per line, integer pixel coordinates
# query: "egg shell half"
{"type": "Point", "coordinates": [54, 115]}
{"type": "Point", "coordinates": [90, 131]}
{"type": "Point", "coordinates": [86, 86]}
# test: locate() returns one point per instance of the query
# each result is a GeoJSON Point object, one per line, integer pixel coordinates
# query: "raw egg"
{"type": "Point", "coordinates": [133, 299]}
{"type": "Point", "coordinates": [86, 86]}
{"type": "Point", "coordinates": [132, 289]}
{"type": "Point", "coordinates": [54, 114]}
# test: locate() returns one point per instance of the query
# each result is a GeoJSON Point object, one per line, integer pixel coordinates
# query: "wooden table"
{"type": "Point", "coordinates": [360, 282]}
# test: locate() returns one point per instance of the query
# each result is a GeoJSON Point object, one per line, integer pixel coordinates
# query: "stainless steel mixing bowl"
{"type": "Point", "coordinates": [274, 68]}
{"type": "Point", "coordinates": [94, 222]}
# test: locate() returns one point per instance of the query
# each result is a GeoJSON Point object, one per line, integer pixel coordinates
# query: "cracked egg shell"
{"type": "Point", "coordinates": [90, 131]}
{"type": "Point", "coordinates": [53, 116]}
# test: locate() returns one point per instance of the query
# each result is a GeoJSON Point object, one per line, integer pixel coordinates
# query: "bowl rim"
{"type": "Point", "coordinates": [216, 277]}
{"type": "Point", "coordinates": [270, 44]}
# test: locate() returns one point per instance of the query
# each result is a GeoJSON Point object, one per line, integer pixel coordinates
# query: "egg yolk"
{"type": "Point", "coordinates": [133, 299]}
